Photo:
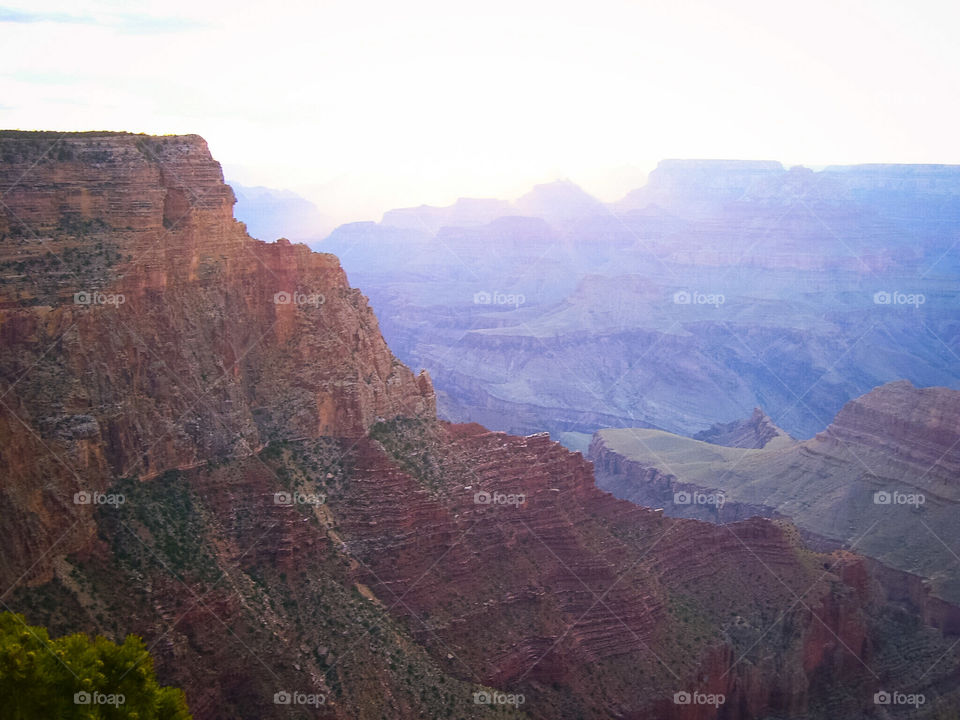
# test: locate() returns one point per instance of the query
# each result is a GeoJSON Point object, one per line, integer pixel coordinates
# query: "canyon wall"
{"type": "Point", "coordinates": [143, 330]}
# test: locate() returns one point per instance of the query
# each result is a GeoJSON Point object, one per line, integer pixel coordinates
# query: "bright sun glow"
{"type": "Point", "coordinates": [364, 106]}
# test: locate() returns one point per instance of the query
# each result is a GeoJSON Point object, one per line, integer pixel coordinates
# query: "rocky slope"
{"type": "Point", "coordinates": [881, 478]}
{"type": "Point", "coordinates": [213, 447]}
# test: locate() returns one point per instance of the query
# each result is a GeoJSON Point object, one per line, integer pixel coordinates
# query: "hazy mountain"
{"type": "Point", "coordinates": [270, 214]}
{"type": "Point", "coordinates": [465, 212]}
{"type": "Point", "coordinates": [558, 203]}
{"type": "Point", "coordinates": [741, 284]}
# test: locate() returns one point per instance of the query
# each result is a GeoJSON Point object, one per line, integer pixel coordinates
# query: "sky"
{"type": "Point", "coordinates": [364, 106]}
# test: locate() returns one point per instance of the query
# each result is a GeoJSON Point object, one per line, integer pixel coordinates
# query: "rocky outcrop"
{"type": "Point", "coordinates": [653, 486]}
{"type": "Point", "coordinates": [402, 593]}
{"type": "Point", "coordinates": [190, 278]}
{"type": "Point", "coordinates": [755, 432]}
{"type": "Point", "coordinates": [562, 565]}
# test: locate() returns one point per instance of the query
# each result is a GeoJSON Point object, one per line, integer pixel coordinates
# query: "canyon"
{"type": "Point", "coordinates": [205, 440]}
{"type": "Point", "coordinates": [718, 287]}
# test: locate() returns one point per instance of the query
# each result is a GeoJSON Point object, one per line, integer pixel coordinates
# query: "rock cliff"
{"type": "Point", "coordinates": [143, 330]}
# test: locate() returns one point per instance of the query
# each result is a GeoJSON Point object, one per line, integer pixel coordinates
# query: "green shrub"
{"type": "Point", "coordinates": [75, 677]}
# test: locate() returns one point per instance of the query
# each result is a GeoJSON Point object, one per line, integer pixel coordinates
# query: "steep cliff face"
{"type": "Point", "coordinates": [143, 330]}
{"type": "Point", "coordinates": [399, 595]}
{"type": "Point", "coordinates": [206, 441]}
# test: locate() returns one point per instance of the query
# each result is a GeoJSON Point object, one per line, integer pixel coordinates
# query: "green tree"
{"type": "Point", "coordinates": [78, 678]}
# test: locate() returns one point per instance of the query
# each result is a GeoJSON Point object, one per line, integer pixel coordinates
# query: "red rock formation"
{"type": "Point", "coordinates": [918, 426]}
{"type": "Point", "coordinates": [882, 477]}
{"type": "Point", "coordinates": [202, 342]}
{"type": "Point", "coordinates": [590, 580]}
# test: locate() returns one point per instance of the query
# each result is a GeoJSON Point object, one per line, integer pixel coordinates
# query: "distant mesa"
{"type": "Point", "coordinates": [797, 254]}
{"type": "Point", "coordinates": [465, 212]}
{"type": "Point", "coordinates": [691, 187]}
{"type": "Point", "coordinates": [557, 202]}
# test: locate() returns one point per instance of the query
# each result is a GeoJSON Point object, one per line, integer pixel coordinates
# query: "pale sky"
{"type": "Point", "coordinates": [364, 106]}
